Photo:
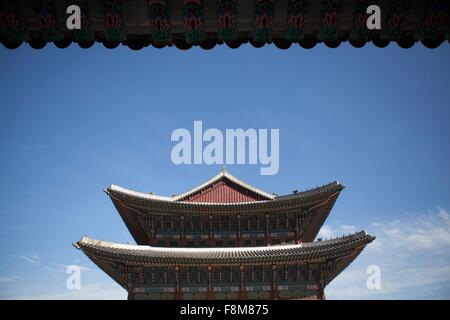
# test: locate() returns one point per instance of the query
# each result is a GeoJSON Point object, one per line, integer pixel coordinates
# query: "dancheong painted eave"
{"type": "Point", "coordinates": [187, 23]}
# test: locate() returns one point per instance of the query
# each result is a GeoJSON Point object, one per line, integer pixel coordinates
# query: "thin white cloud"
{"type": "Point", "coordinates": [4, 279]}
{"type": "Point", "coordinates": [328, 231]}
{"type": "Point", "coordinates": [429, 231]}
{"type": "Point", "coordinates": [347, 228]}
{"type": "Point", "coordinates": [396, 284]}
{"type": "Point", "coordinates": [413, 253]}
{"type": "Point", "coordinates": [33, 258]}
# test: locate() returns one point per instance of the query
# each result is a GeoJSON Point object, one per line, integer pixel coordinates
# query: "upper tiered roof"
{"type": "Point", "coordinates": [225, 194]}
{"type": "Point", "coordinates": [188, 199]}
{"type": "Point", "coordinates": [248, 192]}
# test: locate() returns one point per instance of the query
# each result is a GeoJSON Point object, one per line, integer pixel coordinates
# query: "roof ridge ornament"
{"type": "Point", "coordinates": [223, 169]}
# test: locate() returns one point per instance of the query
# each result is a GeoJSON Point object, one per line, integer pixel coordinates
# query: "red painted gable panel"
{"type": "Point", "coordinates": [225, 192]}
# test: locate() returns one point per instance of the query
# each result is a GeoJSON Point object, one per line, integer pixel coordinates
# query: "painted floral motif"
{"type": "Point", "coordinates": [11, 26]}
{"type": "Point", "coordinates": [85, 33]}
{"type": "Point", "coordinates": [359, 29]}
{"type": "Point", "coordinates": [263, 20]}
{"type": "Point", "coordinates": [113, 20]}
{"type": "Point", "coordinates": [8, 20]}
{"type": "Point", "coordinates": [226, 20]}
{"type": "Point", "coordinates": [331, 15]}
{"type": "Point", "coordinates": [45, 10]}
{"type": "Point", "coordinates": [193, 21]}
{"type": "Point", "coordinates": [432, 25]}
{"type": "Point", "coordinates": [398, 13]}
{"type": "Point", "coordinates": [159, 15]}
{"type": "Point", "coordinates": [296, 16]}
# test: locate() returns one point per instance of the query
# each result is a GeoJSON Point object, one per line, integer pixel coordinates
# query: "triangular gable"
{"type": "Point", "coordinates": [224, 188]}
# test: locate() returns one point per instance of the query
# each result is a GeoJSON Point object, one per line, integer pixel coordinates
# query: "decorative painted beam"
{"type": "Point", "coordinates": [45, 10]}
{"type": "Point", "coordinates": [11, 26]}
{"type": "Point", "coordinates": [159, 15]}
{"type": "Point", "coordinates": [330, 18]}
{"type": "Point", "coordinates": [359, 30]}
{"type": "Point", "coordinates": [226, 20]}
{"type": "Point", "coordinates": [397, 16]}
{"type": "Point", "coordinates": [193, 19]}
{"type": "Point", "coordinates": [38, 23]}
{"type": "Point", "coordinates": [264, 10]}
{"type": "Point", "coordinates": [84, 34]}
{"type": "Point", "coordinates": [297, 12]}
{"type": "Point", "coordinates": [113, 20]}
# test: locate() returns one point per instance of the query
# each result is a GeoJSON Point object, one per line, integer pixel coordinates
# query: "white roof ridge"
{"type": "Point", "coordinates": [221, 174]}
{"type": "Point", "coordinates": [85, 240]}
{"type": "Point", "coordinates": [114, 245]}
{"type": "Point", "coordinates": [226, 174]}
{"type": "Point", "coordinates": [140, 194]}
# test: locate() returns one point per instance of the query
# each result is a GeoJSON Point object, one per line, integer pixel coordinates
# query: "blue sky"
{"type": "Point", "coordinates": [74, 121]}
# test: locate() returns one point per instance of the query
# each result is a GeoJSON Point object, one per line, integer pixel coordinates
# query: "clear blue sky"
{"type": "Point", "coordinates": [74, 121]}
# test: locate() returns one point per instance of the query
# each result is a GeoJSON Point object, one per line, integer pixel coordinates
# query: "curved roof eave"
{"type": "Point", "coordinates": [137, 194]}
{"type": "Point", "coordinates": [125, 250]}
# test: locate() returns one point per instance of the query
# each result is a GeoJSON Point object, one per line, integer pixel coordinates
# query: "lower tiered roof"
{"type": "Point", "coordinates": [303, 252]}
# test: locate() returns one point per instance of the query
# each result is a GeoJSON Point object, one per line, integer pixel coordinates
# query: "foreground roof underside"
{"type": "Point", "coordinates": [187, 23]}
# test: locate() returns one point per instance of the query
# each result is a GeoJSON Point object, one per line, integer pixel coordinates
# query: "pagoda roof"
{"type": "Point", "coordinates": [318, 202]}
{"type": "Point", "coordinates": [143, 200]}
{"type": "Point", "coordinates": [188, 23]}
{"type": "Point", "coordinates": [147, 255]}
{"type": "Point", "coordinates": [222, 175]}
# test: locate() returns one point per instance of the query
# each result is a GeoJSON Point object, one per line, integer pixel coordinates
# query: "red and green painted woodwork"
{"type": "Point", "coordinates": [264, 10]}
{"type": "Point", "coordinates": [45, 10]}
{"type": "Point", "coordinates": [329, 21]}
{"type": "Point", "coordinates": [11, 26]}
{"type": "Point", "coordinates": [359, 30]}
{"type": "Point", "coordinates": [113, 20]}
{"type": "Point", "coordinates": [432, 27]}
{"type": "Point", "coordinates": [226, 20]}
{"type": "Point", "coordinates": [398, 13]}
{"type": "Point", "coordinates": [297, 12]}
{"type": "Point", "coordinates": [193, 19]}
{"type": "Point", "coordinates": [269, 281]}
{"type": "Point", "coordinates": [224, 230]}
{"type": "Point", "coordinates": [85, 33]}
{"type": "Point", "coordinates": [159, 16]}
